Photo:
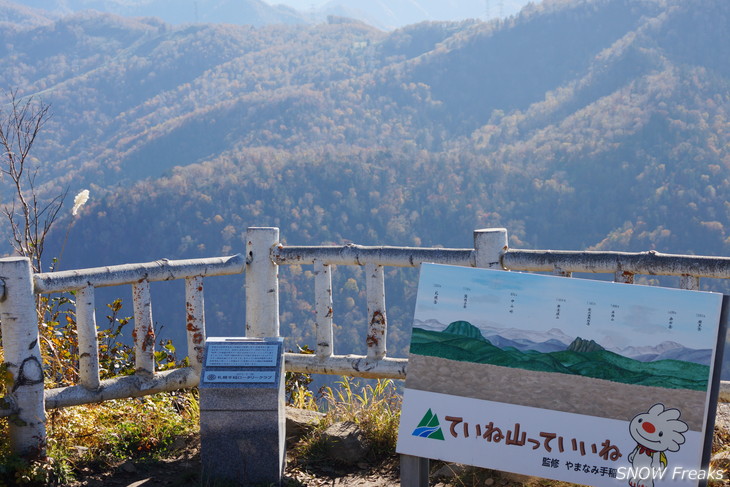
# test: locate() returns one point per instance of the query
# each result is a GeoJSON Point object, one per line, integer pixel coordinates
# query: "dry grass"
{"type": "Point", "coordinates": [375, 408]}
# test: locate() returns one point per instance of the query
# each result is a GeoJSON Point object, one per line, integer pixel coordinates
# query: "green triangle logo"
{"type": "Point", "coordinates": [429, 427]}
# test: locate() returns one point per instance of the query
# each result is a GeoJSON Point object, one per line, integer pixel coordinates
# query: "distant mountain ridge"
{"type": "Point", "coordinates": [583, 357]}
{"type": "Point", "coordinates": [584, 346]}
{"type": "Point", "coordinates": [393, 14]}
{"type": "Point", "coordinates": [17, 14]}
{"type": "Point", "coordinates": [545, 342]}
{"type": "Point", "coordinates": [243, 12]}
{"type": "Point", "coordinates": [381, 14]}
{"type": "Point", "coordinates": [464, 328]}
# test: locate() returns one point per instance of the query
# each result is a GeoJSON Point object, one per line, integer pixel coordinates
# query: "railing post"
{"type": "Point", "coordinates": [88, 342]}
{"type": "Point", "coordinates": [144, 330]}
{"type": "Point", "coordinates": [22, 355]}
{"type": "Point", "coordinates": [489, 245]}
{"type": "Point", "coordinates": [688, 282]}
{"type": "Point", "coordinates": [323, 308]}
{"type": "Point", "coordinates": [623, 277]}
{"type": "Point", "coordinates": [262, 283]}
{"type": "Point", "coordinates": [377, 322]}
{"type": "Point", "coordinates": [195, 320]}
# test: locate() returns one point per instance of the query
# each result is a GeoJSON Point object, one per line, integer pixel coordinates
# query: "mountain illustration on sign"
{"type": "Point", "coordinates": [580, 345]}
{"type": "Point", "coordinates": [464, 342]}
{"type": "Point", "coordinates": [429, 427]}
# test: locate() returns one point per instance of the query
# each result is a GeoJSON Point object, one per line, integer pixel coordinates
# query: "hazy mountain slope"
{"type": "Point", "coordinates": [643, 123]}
{"type": "Point", "coordinates": [399, 13]}
{"type": "Point", "coordinates": [584, 123]}
{"type": "Point", "coordinates": [243, 12]}
{"type": "Point", "coordinates": [381, 14]}
{"type": "Point", "coordinates": [513, 66]}
{"type": "Point", "coordinates": [15, 14]}
{"type": "Point", "coordinates": [146, 81]}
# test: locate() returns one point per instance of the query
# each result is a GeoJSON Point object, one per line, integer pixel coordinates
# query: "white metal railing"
{"type": "Point", "coordinates": [27, 400]}
{"type": "Point", "coordinates": [488, 247]}
{"type": "Point", "coordinates": [145, 380]}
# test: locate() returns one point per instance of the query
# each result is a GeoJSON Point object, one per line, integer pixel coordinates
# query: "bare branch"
{"type": "Point", "coordinates": [30, 217]}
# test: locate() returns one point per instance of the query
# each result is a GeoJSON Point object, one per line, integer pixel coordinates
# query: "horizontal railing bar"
{"type": "Point", "coordinates": [136, 385]}
{"type": "Point", "coordinates": [181, 378]}
{"type": "Point", "coordinates": [351, 365]}
{"type": "Point", "coordinates": [650, 263]}
{"type": "Point", "coordinates": [360, 255]}
{"type": "Point", "coordinates": [160, 270]}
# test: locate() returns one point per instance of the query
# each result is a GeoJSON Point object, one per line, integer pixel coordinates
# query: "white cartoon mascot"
{"type": "Point", "coordinates": [655, 431]}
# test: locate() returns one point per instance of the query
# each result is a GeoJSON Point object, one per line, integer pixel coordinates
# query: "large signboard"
{"type": "Point", "coordinates": [585, 381]}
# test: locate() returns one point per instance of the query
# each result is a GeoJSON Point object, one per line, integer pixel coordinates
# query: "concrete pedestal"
{"type": "Point", "coordinates": [242, 428]}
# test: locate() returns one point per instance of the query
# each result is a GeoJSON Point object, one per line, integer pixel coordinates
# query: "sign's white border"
{"type": "Point", "coordinates": [544, 442]}
{"type": "Point", "coordinates": [533, 447]}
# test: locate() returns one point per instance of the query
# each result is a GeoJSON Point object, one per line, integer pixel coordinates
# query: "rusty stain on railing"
{"type": "Point", "coordinates": [195, 320]}
{"type": "Point", "coordinates": [144, 331]}
{"type": "Point", "coordinates": [377, 323]}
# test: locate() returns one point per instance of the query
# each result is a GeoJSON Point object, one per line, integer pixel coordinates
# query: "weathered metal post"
{"type": "Point", "coordinates": [195, 320]}
{"type": "Point", "coordinates": [144, 330]}
{"type": "Point", "coordinates": [323, 308]}
{"type": "Point", "coordinates": [242, 413]}
{"type": "Point", "coordinates": [262, 283]}
{"type": "Point", "coordinates": [88, 342]}
{"type": "Point", "coordinates": [22, 357]}
{"type": "Point", "coordinates": [377, 321]}
{"type": "Point", "coordinates": [489, 245]}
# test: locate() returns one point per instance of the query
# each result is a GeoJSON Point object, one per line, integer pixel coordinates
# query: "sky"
{"type": "Point", "coordinates": [620, 314]}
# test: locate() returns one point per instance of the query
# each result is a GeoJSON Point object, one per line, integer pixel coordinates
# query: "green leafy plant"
{"type": "Point", "coordinates": [167, 416]}
{"type": "Point", "coordinates": [59, 343]}
{"type": "Point", "coordinates": [58, 339]}
{"type": "Point", "coordinates": [115, 356]}
{"type": "Point", "coordinates": [141, 428]}
{"type": "Point", "coordinates": [296, 387]}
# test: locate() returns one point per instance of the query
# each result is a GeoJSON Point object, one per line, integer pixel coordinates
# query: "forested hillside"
{"type": "Point", "coordinates": [577, 124]}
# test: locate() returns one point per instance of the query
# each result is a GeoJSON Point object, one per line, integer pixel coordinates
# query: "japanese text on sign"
{"type": "Point", "coordinates": [236, 354]}
{"type": "Point", "coordinates": [235, 376]}
{"type": "Point", "coordinates": [514, 436]}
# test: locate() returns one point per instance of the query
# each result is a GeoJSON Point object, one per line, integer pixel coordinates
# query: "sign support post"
{"type": "Point", "coordinates": [414, 471]}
